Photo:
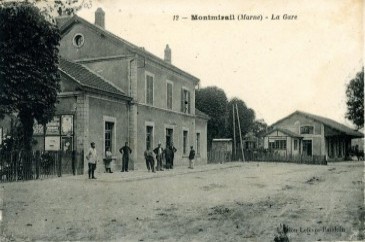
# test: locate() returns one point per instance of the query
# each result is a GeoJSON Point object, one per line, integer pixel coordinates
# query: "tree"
{"type": "Point", "coordinates": [29, 78]}
{"type": "Point", "coordinates": [259, 127]}
{"type": "Point", "coordinates": [213, 101]}
{"type": "Point", "coordinates": [246, 115]}
{"type": "Point", "coordinates": [355, 100]}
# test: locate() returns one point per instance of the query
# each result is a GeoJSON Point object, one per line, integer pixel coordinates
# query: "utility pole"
{"type": "Point", "coordinates": [239, 129]}
{"type": "Point", "coordinates": [234, 134]}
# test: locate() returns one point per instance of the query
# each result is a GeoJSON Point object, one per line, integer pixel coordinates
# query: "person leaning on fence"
{"type": "Point", "coordinates": [125, 151]}
{"type": "Point", "coordinates": [92, 159]}
{"type": "Point", "coordinates": [108, 160]}
{"type": "Point", "coordinates": [191, 157]}
{"type": "Point", "coordinates": [150, 162]}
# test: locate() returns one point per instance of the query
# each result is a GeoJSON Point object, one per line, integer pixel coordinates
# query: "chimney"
{"type": "Point", "coordinates": [167, 54]}
{"type": "Point", "coordinates": [61, 20]}
{"type": "Point", "coordinates": [100, 17]}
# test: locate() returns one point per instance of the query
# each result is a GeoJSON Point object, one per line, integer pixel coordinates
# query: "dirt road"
{"type": "Point", "coordinates": [225, 202]}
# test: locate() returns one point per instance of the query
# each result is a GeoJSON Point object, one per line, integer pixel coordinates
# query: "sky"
{"type": "Point", "coordinates": [275, 66]}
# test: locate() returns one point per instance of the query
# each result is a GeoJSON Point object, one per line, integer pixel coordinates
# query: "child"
{"type": "Point", "coordinates": [191, 157]}
{"type": "Point", "coordinates": [108, 159]}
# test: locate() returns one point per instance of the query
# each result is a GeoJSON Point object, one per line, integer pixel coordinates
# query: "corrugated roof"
{"type": "Point", "coordinates": [200, 114]}
{"type": "Point", "coordinates": [218, 140]}
{"type": "Point", "coordinates": [328, 122]}
{"type": "Point", "coordinates": [87, 78]}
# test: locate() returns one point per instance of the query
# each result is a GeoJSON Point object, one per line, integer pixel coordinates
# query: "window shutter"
{"type": "Point", "coordinates": [182, 100]}
{"type": "Point", "coordinates": [188, 102]}
{"type": "Point", "coordinates": [151, 90]}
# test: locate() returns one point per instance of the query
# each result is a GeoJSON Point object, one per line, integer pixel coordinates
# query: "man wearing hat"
{"type": "Point", "coordinates": [191, 157]}
{"type": "Point", "coordinates": [159, 155]}
{"type": "Point", "coordinates": [92, 159]}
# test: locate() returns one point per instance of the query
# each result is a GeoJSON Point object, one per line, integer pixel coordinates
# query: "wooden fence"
{"type": "Point", "coordinates": [265, 156]}
{"type": "Point", "coordinates": [20, 165]}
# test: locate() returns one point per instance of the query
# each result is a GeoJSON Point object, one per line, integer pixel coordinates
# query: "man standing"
{"type": "Point", "coordinates": [159, 154]}
{"type": "Point", "coordinates": [173, 149]}
{"type": "Point", "coordinates": [168, 157]}
{"type": "Point", "coordinates": [150, 162]}
{"type": "Point", "coordinates": [191, 157]}
{"type": "Point", "coordinates": [92, 159]}
{"type": "Point", "coordinates": [125, 151]}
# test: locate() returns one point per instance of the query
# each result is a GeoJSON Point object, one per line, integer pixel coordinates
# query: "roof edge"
{"type": "Point", "coordinates": [129, 45]}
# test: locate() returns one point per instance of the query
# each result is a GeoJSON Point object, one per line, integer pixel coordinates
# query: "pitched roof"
{"type": "Point", "coordinates": [87, 78]}
{"type": "Point", "coordinates": [141, 51]}
{"type": "Point", "coordinates": [328, 122]}
{"type": "Point", "coordinates": [285, 131]}
{"type": "Point", "coordinates": [200, 114]}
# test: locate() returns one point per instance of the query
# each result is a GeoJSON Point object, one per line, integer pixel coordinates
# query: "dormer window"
{"type": "Point", "coordinates": [78, 40]}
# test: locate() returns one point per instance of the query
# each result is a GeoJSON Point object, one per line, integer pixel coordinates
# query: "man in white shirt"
{"type": "Point", "coordinates": [92, 159]}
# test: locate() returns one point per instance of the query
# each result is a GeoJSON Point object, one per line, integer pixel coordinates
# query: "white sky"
{"type": "Point", "coordinates": [276, 67]}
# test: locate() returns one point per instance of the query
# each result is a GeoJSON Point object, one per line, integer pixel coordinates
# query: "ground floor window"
{"type": "Point", "coordinates": [109, 135]}
{"type": "Point", "coordinates": [198, 143]}
{"type": "Point", "coordinates": [149, 137]}
{"type": "Point", "coordinates": [277, 144]}
{"type": "Point", "coordinates": [185, 142]}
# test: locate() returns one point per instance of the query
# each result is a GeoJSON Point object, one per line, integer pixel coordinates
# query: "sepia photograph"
{"type": "Point", "coordinates": [170, 120]}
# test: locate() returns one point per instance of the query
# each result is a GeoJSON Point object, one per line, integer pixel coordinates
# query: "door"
{"type": "Point", "coordinates": [169, 136]}
{"type": "Point", "coordinates": [307, 147]}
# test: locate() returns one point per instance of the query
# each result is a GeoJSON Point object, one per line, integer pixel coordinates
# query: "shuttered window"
{"type": "Point", "coordinates": [169, 95]}
{"type": "Point", "coordinates": [185, 101]}
{"type": "Point", "coordinates": [149, 89]}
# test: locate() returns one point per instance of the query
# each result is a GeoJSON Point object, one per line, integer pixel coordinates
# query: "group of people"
{"type": "Point", "coordinates": [160, 154]}
{"type": "Point", "coordinates": [168, 154]}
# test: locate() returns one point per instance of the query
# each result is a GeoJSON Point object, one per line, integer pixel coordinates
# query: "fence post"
{"type": "Point", "coordinates": [73, 161]}
{"type": "Point", "coordinates": [59, 170]}
{"type": "Point", "coordinates": [37, 163]}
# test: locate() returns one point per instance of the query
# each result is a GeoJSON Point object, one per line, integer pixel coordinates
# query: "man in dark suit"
{"type": "Point", "coordinates": [159, 155]}
{"type": "Point", "coordinates": [125, 151]}
{"type": "Point", "coordinates": [168, 157]}
{"type": "Point", "coordinates": [173, 149]}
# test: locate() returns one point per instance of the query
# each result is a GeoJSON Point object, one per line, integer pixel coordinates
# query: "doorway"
{"type": "Point", "coordinates": [169, 136]}
{"type": "Point", "coordinates": [307, 147]}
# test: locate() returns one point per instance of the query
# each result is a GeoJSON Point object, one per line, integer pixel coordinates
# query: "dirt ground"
{"type": "Point", "coordinates": [222, 202]}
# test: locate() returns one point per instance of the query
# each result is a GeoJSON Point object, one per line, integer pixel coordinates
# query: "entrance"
{"type": "Point", "coordinates": [307, 147]}
{"type": "Point", "coordinates": [169, 136]}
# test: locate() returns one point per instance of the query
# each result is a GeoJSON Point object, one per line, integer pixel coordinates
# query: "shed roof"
{"type": "Point", "coordinates": [328, 122]}
{"type": "Point", "coordinates": [87, 78]}
{"type": "Point", "coordinates": [285, 131]}
{"type": "Point", "coordinates": [200, 114]}
{"type": "Point", "coordinates": [221, 140]}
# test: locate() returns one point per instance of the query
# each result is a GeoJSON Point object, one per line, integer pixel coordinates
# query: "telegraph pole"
{"type": "Point", "coordinates": [239, 128]}
{"type": "Point", "coordinates": [234, 134]}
